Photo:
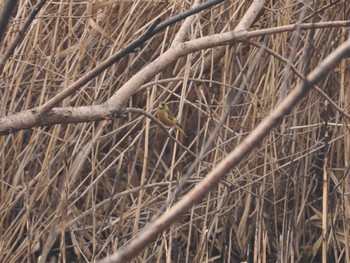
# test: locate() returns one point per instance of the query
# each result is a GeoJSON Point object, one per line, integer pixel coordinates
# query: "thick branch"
{"type": "Point", "coordinates": [243, 149]}
{"type": "Point", "coordinates": [32, 118]}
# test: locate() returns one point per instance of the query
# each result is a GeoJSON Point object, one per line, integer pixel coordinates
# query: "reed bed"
{"type": "Point", "coordinates": [77, 192]}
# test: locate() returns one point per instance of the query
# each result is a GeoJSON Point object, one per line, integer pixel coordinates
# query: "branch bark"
{"type": "Point", "coordinates": [34, 118]}
{"type": "Point", "coordinates": [150, 232]}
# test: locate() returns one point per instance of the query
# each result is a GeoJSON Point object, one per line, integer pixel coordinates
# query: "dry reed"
{"type": "Point", "coordinates": [78, 192]}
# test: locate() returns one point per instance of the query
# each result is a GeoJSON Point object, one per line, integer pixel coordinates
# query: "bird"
{"type": "Point", "coordinates": [167, 118]}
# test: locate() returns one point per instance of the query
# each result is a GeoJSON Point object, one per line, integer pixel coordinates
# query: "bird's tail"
{"type": "Point", "coordinates": [178, 127]}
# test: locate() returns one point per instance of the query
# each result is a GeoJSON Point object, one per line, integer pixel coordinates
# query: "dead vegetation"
{"type": "Point", "coordinates": [78, 192]}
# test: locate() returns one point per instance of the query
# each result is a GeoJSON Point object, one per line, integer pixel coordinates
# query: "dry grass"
{"type": "Point", "coordinates": [80, 191]}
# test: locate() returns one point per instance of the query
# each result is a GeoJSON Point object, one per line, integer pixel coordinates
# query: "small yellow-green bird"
{"type": "Point", "coordinates": [167, 118]}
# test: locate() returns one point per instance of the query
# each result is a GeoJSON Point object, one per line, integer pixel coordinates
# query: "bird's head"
{"type": "Point", "coordinates": [162, 105]}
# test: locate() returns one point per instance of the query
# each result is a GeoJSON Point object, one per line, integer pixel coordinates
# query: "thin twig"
{"type": "Point", "coordinates": [116, 57]}
{"type": "Point", "coordinates": [295, 70]}
{"type": "Point", "coordinates": [9, 5]}
{"type": "Point", "coordinates": [150, 232]}
{"type": "Point", "coordinates": [20, 33]}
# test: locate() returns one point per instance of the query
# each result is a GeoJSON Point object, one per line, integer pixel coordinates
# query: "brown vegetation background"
{"type": "Point", "coordinates": [78, 192]}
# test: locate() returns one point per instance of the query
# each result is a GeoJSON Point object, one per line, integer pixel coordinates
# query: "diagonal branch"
{"type": "Point", "coordinates": [154, 29]}
{"type": "Point", "coordinates": [21, 33]}
{"type": "Point", "coordinates": [150, 232]}
{"type": "Point", "coordinates": [8, 7]}
{"type": "Point", "coordinates": [33, 118]}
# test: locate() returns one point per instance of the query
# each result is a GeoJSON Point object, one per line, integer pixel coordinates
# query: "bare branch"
{"type": "Point", "coordinates": [5, 16]}
{"type": "Point", "coordinates": [21, 33]}
{"type": "Point", "coordinates": [36, 117]}
{"type": "Point", "coordinates": [150, 232]}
